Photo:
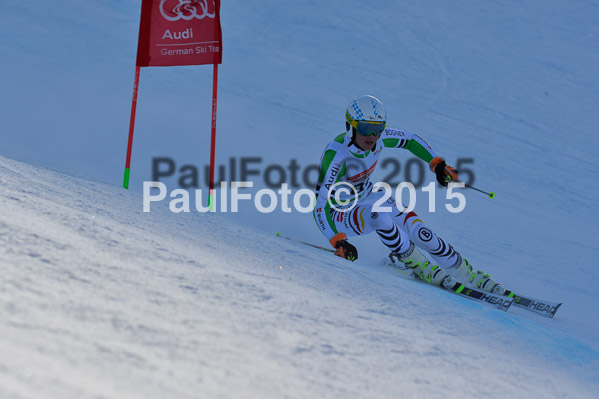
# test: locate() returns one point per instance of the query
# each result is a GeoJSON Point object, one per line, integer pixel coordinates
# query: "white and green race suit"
{"type": "Point", "coordinates": [342, 161]}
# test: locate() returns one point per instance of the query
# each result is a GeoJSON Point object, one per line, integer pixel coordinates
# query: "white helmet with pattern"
{"type": "Point", "coordinates": [367, 115]}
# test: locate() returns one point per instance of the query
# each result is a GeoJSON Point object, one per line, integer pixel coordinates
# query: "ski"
{"type": "Point", "coordinates": [450, 284]}
{"type": "Point", "coordinates": [503, 302]}
{"type": "Point", "coordinates": [499, 302]}
{"type": "Point", "coordinates": [538, 306]}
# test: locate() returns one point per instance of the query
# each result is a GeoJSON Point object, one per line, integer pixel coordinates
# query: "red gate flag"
{"type": "Point", "coordinates": [179, 32]}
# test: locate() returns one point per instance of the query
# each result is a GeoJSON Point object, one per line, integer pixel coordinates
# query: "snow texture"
{"type": "Point", "coordinates": [101, 300]}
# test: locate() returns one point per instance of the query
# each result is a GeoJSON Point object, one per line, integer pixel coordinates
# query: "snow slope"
{"type": "Point", "coordinates": [102, 300]}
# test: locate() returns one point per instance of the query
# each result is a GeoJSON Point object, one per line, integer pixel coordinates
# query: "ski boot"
{"type": "Point", "coordinates": [464, 272]}
{"type": "Point", "coordinates": [413, 260]}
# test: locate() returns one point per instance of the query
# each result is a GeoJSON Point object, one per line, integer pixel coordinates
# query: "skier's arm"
{"type": "Point", "coordinates": [395, 138]}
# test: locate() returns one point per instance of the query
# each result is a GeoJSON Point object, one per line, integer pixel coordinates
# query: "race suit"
{"type": "Point", "coordinates": [342, 161]}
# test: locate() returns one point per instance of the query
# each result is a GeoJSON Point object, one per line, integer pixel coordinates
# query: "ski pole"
{"type": "Point", "coordinates": [305, 243]}
{"type": "Point", "coordinates": [491, 194]}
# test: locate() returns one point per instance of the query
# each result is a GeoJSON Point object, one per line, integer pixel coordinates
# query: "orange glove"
{"type": "Point", "coordinates": [344, 248]}
{"type": "Point", "coordinates": [444, 173]}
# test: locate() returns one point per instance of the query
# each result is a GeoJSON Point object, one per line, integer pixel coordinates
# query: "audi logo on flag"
{"type": "Point", "coordinates": [174, 10]}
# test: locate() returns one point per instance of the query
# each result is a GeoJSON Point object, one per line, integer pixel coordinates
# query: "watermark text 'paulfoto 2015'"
{"type": "Point", "coordinates": [292, 172]}
{"type": "Point", "coordinates": [342, 196]}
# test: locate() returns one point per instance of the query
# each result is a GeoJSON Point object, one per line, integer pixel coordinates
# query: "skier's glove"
{"type": "Point", "coordinates": [344, 248]}
{"type": "Point", "coordinates": [444, 173]}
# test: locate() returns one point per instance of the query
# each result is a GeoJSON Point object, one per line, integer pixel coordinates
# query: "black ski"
{"type": "Point", "coordinates": [545, 308]}
{"type": "Point", "coordinates": [450, 284]}
{"type": "Point", "coordinates": [499, 302]}
{"type": "Point", "coordinates": [538, 306]}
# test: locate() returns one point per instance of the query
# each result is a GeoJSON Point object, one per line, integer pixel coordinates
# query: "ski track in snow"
{"type": "Point", "coordinates": [99, 299]}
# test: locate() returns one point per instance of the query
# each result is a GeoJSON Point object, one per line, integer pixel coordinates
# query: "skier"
{"type": "Point", "coordinates": [349, 160]}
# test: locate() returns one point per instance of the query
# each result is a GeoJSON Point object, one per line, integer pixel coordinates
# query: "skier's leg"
{"type": "Point", "coordinates": [444, 254]}
{"type": "Point", "coordinates": [414, 260]}
{"type": "Point", "coordinates": [362, 220]}
{"type": "Point", "coordinates": [464, 272]}
{"type": "Point", "coordinates": [395, 238]}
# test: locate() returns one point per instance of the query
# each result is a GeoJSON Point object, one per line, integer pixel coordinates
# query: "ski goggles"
{"type": "Point", "coordinates": [366, 128]}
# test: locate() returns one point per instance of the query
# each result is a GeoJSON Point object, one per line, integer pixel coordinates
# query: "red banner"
{"type": "Point", "coordinates": [179, 32]}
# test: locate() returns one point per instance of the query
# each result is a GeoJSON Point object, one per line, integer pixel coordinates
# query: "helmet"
{"type": "Point", "coordinates": [366, 115]}
{"type": "Point", "coordinates": [366, 108]}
